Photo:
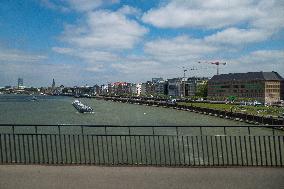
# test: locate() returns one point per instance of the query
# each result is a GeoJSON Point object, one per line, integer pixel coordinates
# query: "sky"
{"type": "Point", "coordinates": [87, 42]}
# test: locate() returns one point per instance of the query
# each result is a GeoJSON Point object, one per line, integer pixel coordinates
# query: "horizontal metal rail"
{"type": "Point", "coordinates": [88, 125]}
{"type": "Point", "coordinates": [138, 130]}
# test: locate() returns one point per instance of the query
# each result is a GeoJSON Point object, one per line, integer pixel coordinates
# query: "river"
{"type": "Point", "coordinates": [20, 109]}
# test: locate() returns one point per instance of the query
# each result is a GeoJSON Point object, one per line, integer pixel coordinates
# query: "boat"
{"type": "Point", "coordinates": [82, 108]}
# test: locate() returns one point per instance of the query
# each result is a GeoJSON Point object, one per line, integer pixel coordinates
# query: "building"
{"type": "Point", "coordinates": [193, 83]}
{"type": "Point", "coordinates": [104, 89]}
{"type": "Point", "coordinates": [140, 89]}
{"type": "Point", "coordinates": [133, 90]}
{"type": "Point", "coordinates": [121, 88]}
{"type": "Point", "coordinates": [97, 90]}
{"type": "Point", "coordinates": [261, 86]}
{"type": "Point", "coordinates": [20, 83]}
{"type": "Point", "coordinates": [174, 87]}
{"type": "Point", "coordinates": [282, 90]}
{"type": "Point", "coordinates": [157, 80]}
{"type": "Point", "coordinates": [160, 88]}
{"type": "Point", "coordinates": [150, 88]}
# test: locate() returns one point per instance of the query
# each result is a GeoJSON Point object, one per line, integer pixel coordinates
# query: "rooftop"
{"type": "Point", "coordinates": [267, 76]}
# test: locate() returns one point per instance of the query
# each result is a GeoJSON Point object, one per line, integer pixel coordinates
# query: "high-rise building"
{"type": "Point", "coordinates": [20, 83]}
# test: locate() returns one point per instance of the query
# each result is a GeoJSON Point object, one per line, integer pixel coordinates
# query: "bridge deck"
{"type": "Point", "coordinates": [37, 176]}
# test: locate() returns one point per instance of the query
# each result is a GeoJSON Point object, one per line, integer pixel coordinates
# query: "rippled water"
{"type": "Point", "coordinates": [20, 109]}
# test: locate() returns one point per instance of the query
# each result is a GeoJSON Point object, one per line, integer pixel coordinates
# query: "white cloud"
{"type": "Point", "coordinates": [12, 55]}
{"type": "Point", "coordinates": [265, 14]}
{"type": "Point", "coordinates": [208, 14]}
{"type": "Point", "coordinates": [269, 57]}
{"type": "Point", "coordinates": [241, 21]}
{"type": "Point", "coordinates": [105, 30]}
{"type": "Point", "coordinates": [237, 36]}
{"type": "Point", "coordinates": [88, 5]}
{"type": "Point", "coordinates": [96, 68]}
{"type": "Point", "coordinates": [259, 60]}
{"type": "Point", "coordinates": [137, 69]}
{"type": "Point", "coordinates": [55, 6]}
{"type": "Point", "coordinates": [128, 10]}
{"type": "Point", "coordinates": [77, 5]}
{"type": "Point", "coordinates": [101, 37]}
{"type": "Point", "coordinates": [90, 56]}
{"type": "Point", "coordinates": [178, 49]}
{"type": "Point", "coordinates": [130, 66]}
{"type": "Point", "coordinates": [62, 50]}
{"type": "Point", "coordinates": [272, 15]}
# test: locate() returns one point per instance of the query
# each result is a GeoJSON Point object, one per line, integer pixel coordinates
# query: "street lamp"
{"type": "Point", "coordinates": [184, 70]}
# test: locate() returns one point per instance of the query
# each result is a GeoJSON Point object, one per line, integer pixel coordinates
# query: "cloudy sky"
{"type": "Point", "coordinates": [80, 42]}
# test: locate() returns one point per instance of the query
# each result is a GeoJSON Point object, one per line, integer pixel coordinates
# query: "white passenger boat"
{"type": "Point", "coordinates": [82, 108]}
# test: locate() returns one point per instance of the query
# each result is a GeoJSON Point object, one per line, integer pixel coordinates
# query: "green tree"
{"type": "Point", "coordinates": [202, 90]}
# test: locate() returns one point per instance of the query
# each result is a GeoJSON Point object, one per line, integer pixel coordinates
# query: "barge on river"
{"type": "Point", "coordinates": [82, 108]}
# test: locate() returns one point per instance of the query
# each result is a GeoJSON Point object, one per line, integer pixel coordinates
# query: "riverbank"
{"type": "Point", "coordinates": [252, 110]}
{"type": "Point", "coordinates": [221, 113]}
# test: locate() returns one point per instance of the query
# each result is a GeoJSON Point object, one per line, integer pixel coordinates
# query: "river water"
{"type": "Point", "coordinates": [19, 109]}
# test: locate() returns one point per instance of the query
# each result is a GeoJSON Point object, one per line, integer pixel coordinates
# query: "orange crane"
{"type": "Point", "coordinates": [217, 63]}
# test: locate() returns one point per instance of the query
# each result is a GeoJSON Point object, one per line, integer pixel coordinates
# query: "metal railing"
{"type": "Point", "coordinates": [142, 145]}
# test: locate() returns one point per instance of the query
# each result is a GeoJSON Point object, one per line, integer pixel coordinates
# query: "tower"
{"type": "Point", "coordinates": [20, 82]}
{"type": "Point", "coordinates": [53, 84]}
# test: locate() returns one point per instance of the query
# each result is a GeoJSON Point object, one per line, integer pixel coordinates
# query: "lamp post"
{"type": "Point", "coordinates": [184, 70]}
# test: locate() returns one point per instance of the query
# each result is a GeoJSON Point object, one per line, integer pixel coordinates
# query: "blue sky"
{"type": "Point", "coordinates": [80, 42]}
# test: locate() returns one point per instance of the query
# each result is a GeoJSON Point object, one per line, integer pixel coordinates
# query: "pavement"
{"type": "Point", "coordinates": [69, 177]}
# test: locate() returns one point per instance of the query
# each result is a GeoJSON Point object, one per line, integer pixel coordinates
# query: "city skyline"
{"type": "Point", "coordinates": [94, 41]}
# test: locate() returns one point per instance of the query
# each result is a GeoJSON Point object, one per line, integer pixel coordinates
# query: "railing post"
{"type": "Point", "coordinates": [35, 129]}
{"type": "Point", "coordinates": [60, 144]}
{"type": "Point", "coordinates": [82, 130]}
{"type": "Point", "coordinates": [225, 132]}
{"type": "Point", "coordinates": [177, 133]}
{"type": "Point", "coordinates": [248, 130]}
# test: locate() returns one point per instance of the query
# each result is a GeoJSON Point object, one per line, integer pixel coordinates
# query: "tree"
{"type": "Point", "coordinates": [202, 90]}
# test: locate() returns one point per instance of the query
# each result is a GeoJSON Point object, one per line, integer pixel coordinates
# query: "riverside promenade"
{"type": "Point", "coordinates": [69, 177]}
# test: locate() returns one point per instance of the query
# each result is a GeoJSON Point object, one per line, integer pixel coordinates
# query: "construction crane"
{"type": "Point", "coordinates": [187, 69]}
{"type": "Point", "coordinates": [217, 63]}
